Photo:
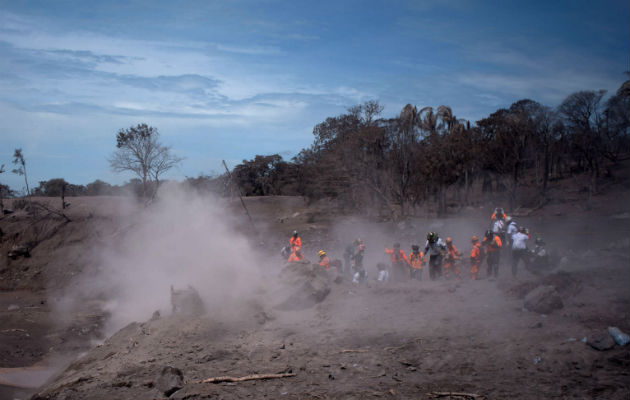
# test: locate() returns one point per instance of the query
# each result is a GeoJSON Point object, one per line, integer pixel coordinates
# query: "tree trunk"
{"type": "Point", "coordinates": [466, 187]}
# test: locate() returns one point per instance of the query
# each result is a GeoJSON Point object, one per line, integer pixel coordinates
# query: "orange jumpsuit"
{"type": "Point", "coordinates": [416, 262]}
{"type": "Point", "coordinates": [493, 248]}
{"type": "Point", "coordinates": [295, 242]}
{"type": "Point", "coordinates": [325, 262]}
{"type": "Point", "coordinates": [475, 260]}
{"type": "Point", "coordinates": [399, 260]}
{"type": "Point", "coordinates": [296, 257]}
{"type": "Point", "coordinates": [451, 261]}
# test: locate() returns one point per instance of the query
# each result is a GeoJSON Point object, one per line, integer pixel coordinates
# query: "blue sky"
{"type": "Point", "coordinates": [232, 79]}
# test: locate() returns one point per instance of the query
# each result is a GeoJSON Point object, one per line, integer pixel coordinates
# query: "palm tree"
{"type": "Point", "coordinates": [429, 120]}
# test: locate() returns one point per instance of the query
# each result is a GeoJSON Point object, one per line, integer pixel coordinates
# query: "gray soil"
{"type": "Point", "coordinates": [339, 340]}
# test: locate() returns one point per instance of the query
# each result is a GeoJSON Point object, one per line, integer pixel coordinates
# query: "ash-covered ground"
{"type": "Point", "coordinates": [86, 299]}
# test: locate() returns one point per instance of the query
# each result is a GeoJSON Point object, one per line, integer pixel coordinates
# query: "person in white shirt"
{"type": "Point", "coordinates": [519, 249]}
{"type": "Point", "coordinates": [512, 228]}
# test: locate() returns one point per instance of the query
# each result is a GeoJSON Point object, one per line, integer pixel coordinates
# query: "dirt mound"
{"type": "Point", "coordinates": [305, 285]}
{"type": "Point", "coordinates": [567, 284]}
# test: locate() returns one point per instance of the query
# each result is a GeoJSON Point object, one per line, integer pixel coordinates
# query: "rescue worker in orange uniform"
{"type": "Point", "coordinates": [295, 241]}
{"type": "Point", "coordinates": [324, 261]}
{"type": "Point", "coordinates": [476, 255]}
{"type": "Point", "coordinates": [492, 244]}
{"type": "Point", "coordinates": [296, 256]}
{"type": "Point", "coordinates": [399, 262]}
{"type": "Point", "coordinates": [452, 256]}
{"type": "Point", "coordinates": [498, 214]}
{"type": "Point", "coordinates": [416, 262]}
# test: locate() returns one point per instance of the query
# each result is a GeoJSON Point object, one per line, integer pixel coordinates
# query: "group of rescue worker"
{"type": "Point", "coordinates": [443, 258]}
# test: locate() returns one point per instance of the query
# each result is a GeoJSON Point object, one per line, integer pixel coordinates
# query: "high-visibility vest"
{"type": "Point", "coordinates": [416, 260]}
{"type": "Point", "coordinates": [396, 256]}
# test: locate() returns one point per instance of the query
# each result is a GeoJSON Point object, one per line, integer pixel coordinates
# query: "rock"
{"type": "Point", "coordinates": [601, 341]}
{"type": "Point", "coordinates": [304, 285]}
{"type": "Point", "coordinates": [171, 379]}
{"type": "Point", "coordinates": [19, 250]}
{"type": "Point", "coordinates": [187, 301]}
{"type": "Point", "coordinates": [543, 300]}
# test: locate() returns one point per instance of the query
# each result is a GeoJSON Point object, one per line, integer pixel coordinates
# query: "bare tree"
{"type": "Point", "coordinates": [1, 190]}
{"type": "Point", "coordinates": [140, 152]}
{"type": "Point", "coordinates": [18, 160]}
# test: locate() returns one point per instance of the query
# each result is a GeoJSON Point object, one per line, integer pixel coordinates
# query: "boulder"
{"type": "Point", "coordinates": [304, 285]}
{"type": "Point", "coordinates": [543, 300]}
{"type": "Point", "coordinates": [187, 301]}
{"type": "Point", "coordinates": [171, 379]}
{"type": "Point", "coordinates": [601, 341]}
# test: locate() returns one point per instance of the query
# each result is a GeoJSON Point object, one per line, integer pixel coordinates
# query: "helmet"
{"type": "Point", "coordinates": [432, 237]}
{"type": "Point", "coordinates": [449, 240]}
{"type": "Point", "coordinates": [295, 233]}
{"type": "Point", "coordinates": [321, 253]}
{"type": "Point", "coordinates": [489, 233]}
{"type": "Point", "coordinates": [474, 239]}
{"type": "Point", "coordinates": [508, 220]}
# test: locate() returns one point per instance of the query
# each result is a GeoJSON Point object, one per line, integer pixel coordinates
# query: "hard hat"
{"type": "Point", "coordinates": [295, 233]}
{"type": "Point", "coordinates": [474, 239]}
{"type": "Point", "coordinates": [508, 219]}
{"type": "Point", "coordinates": [449, 240]}
{"type": "Point", "coordinates": [489, 233]}
{"type": "Point", "coordinates": [321, 253]}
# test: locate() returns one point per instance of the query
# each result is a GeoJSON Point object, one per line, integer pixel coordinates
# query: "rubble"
{"type": "Point", "coordinates": [543, 300]}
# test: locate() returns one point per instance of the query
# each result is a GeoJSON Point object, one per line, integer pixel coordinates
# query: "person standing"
{"type": "Point", "coordinates": [360, 274]}
{"type": "Point", "coordinates": [492, 244]}
{"type": "Point", "coordinates": [519, 249]}
{"type": "Point", "coordinates": [512, 229]}
{"type": "Point", "coordinates": [416, 262]}
{"type": "Point", "coordinates": [452, 256]}
{"type": "Point", "coordinates": [435, 248]}
{"type": "Point", "coordinates": [476, 255]}
{"type": "Point", "coordinates": [295, 241]}
{"type": "Point", "coordinates": [399, 262]}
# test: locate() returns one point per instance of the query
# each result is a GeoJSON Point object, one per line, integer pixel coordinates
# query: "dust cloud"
{"type": "Point", "coordinates": [181, 239]}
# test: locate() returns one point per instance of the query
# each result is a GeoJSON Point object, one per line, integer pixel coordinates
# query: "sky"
{"type": "Point", "coordinates": [227, 80]}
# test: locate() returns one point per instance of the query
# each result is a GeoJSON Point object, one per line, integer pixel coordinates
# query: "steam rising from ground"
{"type": "Point", "coordinates": [182, 239]}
